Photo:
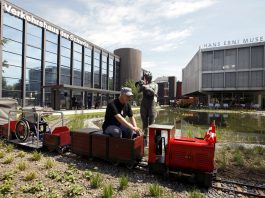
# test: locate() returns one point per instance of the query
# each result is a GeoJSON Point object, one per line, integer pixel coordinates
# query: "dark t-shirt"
{"type": "Point", "coordinates": [114, 108]}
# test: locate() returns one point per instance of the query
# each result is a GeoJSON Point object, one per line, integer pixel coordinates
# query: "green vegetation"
{"type": "Point", "coordinates": [36, 156]}
{"type": "Point", "coordinates": [123, 182]}
{"type": "Point", "coordinates": [8, 176]}
{"type": "Point", "coordinates": [135, 195]}
{"type": "Point", "coordinates": [30, 176]}
{"type": "Point", "coordinates": [155, 190]}
{"type": "Point", "coordinates": [195, 194]}
{"type": "Point", "coordinates": [8, 160]}
{"type": "Point", "coordinates": [33, 188]}
{"type": "Point", "coordinates": [53, 194]}
{"type": "Point", "coordinates": [49, 163]}
{"type": "Point", "coordinates": [238, 158]}
{"type": "Point", "coordinates": [74, 191]}
{"type": "Point", "coordinates": [5, 188]}
{"type": "Point", "coordinates": [21, 154]}
{"type": "Point", "coordinates": [87, 174]}
{"type": "Point", "coordinates": [108, 191]}
{"type": "Point", "coordinates": [2, 154]}
{"type": "Point", "coordinates": [96, 180]}
{"type": "Point", "coordinates": [22, 166]}
{"type": "Point", "coordinates": [9, 148]}
{"type": "Point", "coordinates": [54, 174]}
{"type": "Point", "coordinates": [137, 97]}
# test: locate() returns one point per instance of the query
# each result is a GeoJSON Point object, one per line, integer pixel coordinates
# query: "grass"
{"type": "Point", "coordinates": [8, 176]}
{"type": "Point", "coordinates": [22, 166]}
{"type": "Point", "coordinates": [96, 180]}
{"type": "Point", "coordinates": [36, 156]}
{"type": "Point", "coordinates": [155, 190]}
{"type": "Point", "coordinates": [8, 160]}
{"type": "Point", "coordinates": [54, 174]}
{"type": "Point", "coordinates": [108, 191]}
{"type": "Point", "coordinates": [74, 191]}
{"type": "Point", "coordinates": [2, 154]}
{"type": "Point", "coordinates": [9, 148]}
{"type": "Point", "coordinates": [30, 176]}
{"type": "Point", "coordinates": [5, 188]}
{"type": "Point", "coordinates": [87, 174]}
{"type": "Point", "coordinates": [195, 194]}
{"type": "Point", "coordinates": [33, 188]}
{"type": "Point", "coordinates": [238, 158]}
{"type": "Point", "coordinates": [49, 163]}
{"type": "Point", "coordinates": [53, 194]}
{"type": "Point", "coordinates": [123, 182]}
{"type": "Point", "coordinates": [135, 195]}
{"type": "Point", "coordinates": [21, 154]}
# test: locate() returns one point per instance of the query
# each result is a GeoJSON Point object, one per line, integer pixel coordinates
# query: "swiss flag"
{"type": "Point", "coordinates": [210, 135]}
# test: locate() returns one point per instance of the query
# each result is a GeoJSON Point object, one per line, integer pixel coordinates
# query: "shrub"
{"type": "Point", "coordinates": [87, 174]}
{"type": "Point", "coordinates": [30, 176]}
{"type": "Point", "coordinates": [155, 190]}
{"type": "Point", "coordinates": [36, 156]}
{"type": "Point", "coordinates": [22, 166]}
{"type": "Point", "coordinates": [8, 160]}
{"type": "Point", "coordinates": [108, 191]}
{"type": "Point", "coordinates": [21, 154]}
{"type": "Point", "coordinates": [49, 163]}
{"type": "Point", "coordinates": [5, 188]}
{"type": "Point", "coordinates": [195, 194]}
{"type": "Point", "coordinates": [8, 176]}
{"type": "Point", "coordinates": [2, 154]}
{"type": "Point", "coordinates": [55, 175]}
{"type": "Point", "coordinates": [123, 182]}
{"type": "Point", "coordinates": [238, 158]}
{"type": "Point", "coordinates": [9, 148]}
{"type": "Point", "coordinates": [96, 180]}
{"type": "Point", "coordinates": [74, 191]}
{"type": "Point", "coordinates": [135, 195]}
{"type": "Point", "coordinates": [33, 188]}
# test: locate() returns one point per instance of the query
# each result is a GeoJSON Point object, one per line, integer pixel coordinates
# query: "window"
{"type": "Point", "coordinates": [104, 76]}
{"type": "Point", "coordinates": [230, 80]}
{"type": "Point", "coordinates": [111, 73]}
{"type": "Point", "coordinates": [242, 79]}
{"type": "Point", "coordinates": [218, 80]}
{"type": "Point", "coordinates": [96, 69]}
{"type": "Point", "coordinates": [87, 67]}
{"type": "Point", "coordinates": [77, 64]}
{"type": "Point", "coordinates": [256, 78]}
{"type": "Point", "coordinates": [207, 61]}
{"type": "Point", "coordinates": [243, 58]}
{"type": "Point", "coordinates": [218, 60]}
{"type": "Point", "coordinates": [230, 59]}
{"type": "Point", "coordinates": [206, 80]}
{"type": "Point", "coordinates": [257, 54]}
{"type": "Point", "coordinates": [12, 21]}
{"type": "Point", "coordinates": [65, 61]}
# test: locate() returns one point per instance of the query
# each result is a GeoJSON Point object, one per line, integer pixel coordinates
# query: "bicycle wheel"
{"type": "Point", "coordinates": [22, 130]}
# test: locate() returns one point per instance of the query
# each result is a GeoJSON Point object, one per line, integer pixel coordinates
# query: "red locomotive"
{"type": "Point", "coordinates": [168, 155]}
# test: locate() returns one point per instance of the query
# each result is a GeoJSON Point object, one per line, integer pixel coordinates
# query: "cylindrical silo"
{"type": "Point", "coordinates": [130, 64]}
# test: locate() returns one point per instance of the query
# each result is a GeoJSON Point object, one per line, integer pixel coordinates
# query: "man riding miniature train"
{"type": "Point", "coordinates": [115, 123]}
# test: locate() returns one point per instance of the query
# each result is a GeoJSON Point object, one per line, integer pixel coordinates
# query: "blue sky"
{"type": "Point", "coordinates": [168, 32]}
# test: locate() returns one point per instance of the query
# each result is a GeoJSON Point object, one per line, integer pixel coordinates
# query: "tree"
{"type": "Point", "coordinates": [137, 97]}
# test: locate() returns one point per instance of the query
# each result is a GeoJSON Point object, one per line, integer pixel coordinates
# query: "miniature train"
{"type": "Point", "coordinates": [167, 155]}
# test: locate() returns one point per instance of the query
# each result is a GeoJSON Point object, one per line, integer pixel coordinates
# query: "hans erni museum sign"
{"type": "Point", "coordinates": [233, 42]}
{"type": "Point", "coordinates": [36, 21]}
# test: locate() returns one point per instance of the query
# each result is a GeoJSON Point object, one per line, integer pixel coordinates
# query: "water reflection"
{"type": "Point", "coordinates": [231, 127]}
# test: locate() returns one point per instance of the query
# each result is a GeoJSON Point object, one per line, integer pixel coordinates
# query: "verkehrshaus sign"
{"type": "Point", "coordinates": [43, 24]}
{"type": "Point", "coordinates": [233, 42]}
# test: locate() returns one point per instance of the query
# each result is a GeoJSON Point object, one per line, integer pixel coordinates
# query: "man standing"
{"type": "Point", "coordinates": [115, 123]}
{"type": "Point", "coordinates": [148, 111]}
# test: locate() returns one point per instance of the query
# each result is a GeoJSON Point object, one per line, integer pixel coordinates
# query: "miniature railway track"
{"type": "Point", "coordinates": [239, 188]}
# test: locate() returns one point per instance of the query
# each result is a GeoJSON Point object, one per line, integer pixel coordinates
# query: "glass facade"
{"type": "Point", "coordinates": [34, 57]}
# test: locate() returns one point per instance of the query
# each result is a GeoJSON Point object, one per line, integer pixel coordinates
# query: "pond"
{"type": "Point", "coordinates": [231, 127]}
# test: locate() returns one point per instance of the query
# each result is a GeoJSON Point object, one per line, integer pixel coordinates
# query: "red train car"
{"type": "Point", "coordinates": [181, 156]}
